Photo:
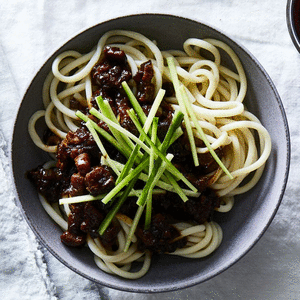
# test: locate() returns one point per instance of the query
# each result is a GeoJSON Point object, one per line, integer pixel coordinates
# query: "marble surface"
{"type": "Point", "coordinates": [31, 30]}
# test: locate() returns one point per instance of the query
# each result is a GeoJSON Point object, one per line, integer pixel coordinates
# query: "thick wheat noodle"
{"type": "Point", "coordinates": [216, 94]}
{"type": "Point", "coordinates": [219, 142]}
{"type": "Point", "coordinates": [232, 87]}
{"type": "Point", "coordinates": [143, 48]}
{"type": "Point", "coordinates": [214, 243]}
{"type": "Point", "coordinates": [187, 46]}
{"type": "Point", "coordinates": [236, 163]}
{"type": "Point", "coordinates": [263, 134]}
{"type": "Point", "coordinates": [226, 205]}
{"type": "Point", "coordinates": [131, 51]}
{"type": "Point", "coordinates": [110, 258]}
{"type": "Point", "coordinates": [56, 98]}
{"type": "Point", "coordinates": [53, 214]}
{"type": "Point", "coordinates": [197, 247]}
{"type": "Point", "coordinates": [80, 98]}
{"type": "Point", "coordinates": [249, 185]}
{"type": "Point", "coordinates": [60, 120]}
{"type": "Point", "coordinates": [126, 228]}
{"type": "Point", "coordinates": [238, 65]}
{"type": "Point", "coordinates": [134, 257]}
{"type": "Point", "coordinates": [230, 108]}
{"type": "Point", "coordinates": [50, 124]}
{"type": "Point", "coordinates": [70, 123]}
{"type": "Point", "coordinates": [45, 91]}
{"type": "Point", "coordinates": [33, 134]}
{"type": "Point", "coordinates": [132, 275]}
{"type": "Point", "coordinates": [192, 230]}
{"type": "Point", "coordinates": [88, 90]}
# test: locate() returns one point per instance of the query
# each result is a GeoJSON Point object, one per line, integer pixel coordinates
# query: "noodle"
{"type": "Point", "coordinates": [216, 95]}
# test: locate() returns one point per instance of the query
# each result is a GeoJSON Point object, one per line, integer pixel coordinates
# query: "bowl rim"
{"type": "Point", "coordinates": [189, 282]}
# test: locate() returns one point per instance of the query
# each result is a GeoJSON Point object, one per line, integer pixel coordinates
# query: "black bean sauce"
{"type": "Point", "coordinates": [78, 170]}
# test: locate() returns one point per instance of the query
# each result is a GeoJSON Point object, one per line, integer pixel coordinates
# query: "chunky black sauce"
{"type": "Point", "coordinates": [78, 171]}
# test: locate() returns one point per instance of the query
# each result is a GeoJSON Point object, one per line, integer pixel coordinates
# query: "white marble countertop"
{"type": "Point", "coordinates": [31, 30]}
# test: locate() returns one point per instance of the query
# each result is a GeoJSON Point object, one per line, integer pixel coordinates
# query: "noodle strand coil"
{"type": "Point", "coordinates": [216, 94]}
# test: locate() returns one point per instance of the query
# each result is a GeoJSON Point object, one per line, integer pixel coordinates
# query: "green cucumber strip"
{"type": "Point", "coordinates": [185, 104]}
{"type": "Point", "coordinates": [153, 139]}
{"type": "Point", "coordinates": [133, 227]}
{"type": "Point", "coordinates": [125, 181]}
{"type": "Point", "coordinates": [143, 197]}
{"type": "Point", "coordinates": [100, 116]}
{"type": "Point", "coordinates": [202, 134]}
{"type": "Point", "coordinates": [86, 198]}
{"type": "Point", "coordinates": [109, 217]}
{"type": "Point", "coordinates": [103, 133]}
{"type": "Point", "coordinates": [108, 112]}
{"type": "Point", "coordinates": [134, 102]}
{"type": "Point", "coordinates": [162, 184]}
{"type": "Point", "coordinates": [147, 126]}
{"type": "Point", "coordinates": [178, 132]}
{"type": "Point", "coordinates": [148, 197]}
{"type": "Point", "coordinates": [148, 214]}
{"type": "Point", "coordinates": [183, 108]}
{"type": "Point", "coordinates": [128, 164]}
{"type": "Point", "coordinates": [155, 105]}
{"type": "Point", "coordinates": [101, 147]}
{"type": "Point", "coordinates": [170, 166]}
{"type": "Point", "coordinates": [177, 188]}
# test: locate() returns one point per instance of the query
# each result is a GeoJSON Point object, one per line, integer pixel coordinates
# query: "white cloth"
{"type": "Point", "coordinates": [31, 30]}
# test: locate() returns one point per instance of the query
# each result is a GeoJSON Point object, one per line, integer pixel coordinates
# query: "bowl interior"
{"type": "Point", "coordinates": [242, 227]}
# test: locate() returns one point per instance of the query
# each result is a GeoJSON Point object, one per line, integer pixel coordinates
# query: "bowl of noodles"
{"type": "Point", "coordinates": [150, 153]}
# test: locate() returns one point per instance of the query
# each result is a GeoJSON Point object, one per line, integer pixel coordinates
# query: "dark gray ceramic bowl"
{"type": "Point", "coordinates": [242, 227]}
{"type": "Point", "coordinates": [293, 21]}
